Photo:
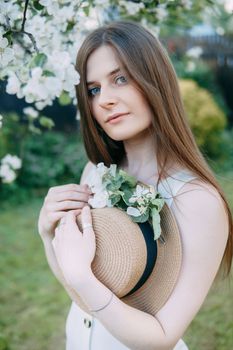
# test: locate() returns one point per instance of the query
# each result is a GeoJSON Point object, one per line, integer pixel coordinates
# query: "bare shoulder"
{"type": "Point", "coordinates": [199, 208]}
{"type": "Point", "coordinates": [87, 169]}
{"type": "Point", "coordinates": [203, 225]}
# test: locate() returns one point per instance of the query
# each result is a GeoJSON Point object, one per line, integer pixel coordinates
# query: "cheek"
{"type": "Point", "coordinates": [95, 112]}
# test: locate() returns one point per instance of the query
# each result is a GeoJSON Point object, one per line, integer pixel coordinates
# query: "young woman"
{"type": "Point", "coordinates": [132, 115]}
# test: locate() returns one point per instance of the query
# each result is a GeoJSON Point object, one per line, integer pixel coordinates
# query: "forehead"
{"type": "Point", "coordinates": [102, 61]}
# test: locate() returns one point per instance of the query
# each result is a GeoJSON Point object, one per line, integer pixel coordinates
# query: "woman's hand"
{"type": "Point", "coordinates": [58, 201]}
{"type": "Point", "coordinates": [75, 250]}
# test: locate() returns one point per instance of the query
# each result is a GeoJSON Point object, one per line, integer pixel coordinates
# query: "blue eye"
{"type": "Point", "coordinates": [93, 92]}
{"type": "Point", "coordinates": [121, 79]}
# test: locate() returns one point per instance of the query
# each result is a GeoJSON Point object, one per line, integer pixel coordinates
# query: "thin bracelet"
{"type": "Point", "coordinates": [105, 305]}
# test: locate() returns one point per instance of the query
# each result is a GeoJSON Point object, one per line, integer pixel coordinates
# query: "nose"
{"type": "Point", "coordinates": [107, 98]}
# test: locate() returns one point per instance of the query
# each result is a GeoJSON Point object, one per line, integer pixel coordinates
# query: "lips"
{"type": "Point", "coordinates": [116, 115]}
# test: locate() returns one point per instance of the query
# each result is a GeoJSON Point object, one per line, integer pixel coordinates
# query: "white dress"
{"type": "Point", "coordinates": [85, 332]}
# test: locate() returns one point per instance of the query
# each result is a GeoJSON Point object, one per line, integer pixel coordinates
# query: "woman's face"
{"type": "Point", "coordinates": [112, 92]}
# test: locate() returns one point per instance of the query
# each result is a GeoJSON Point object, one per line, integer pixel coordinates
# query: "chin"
{"type": "Point", "coordinates": [123, 136]}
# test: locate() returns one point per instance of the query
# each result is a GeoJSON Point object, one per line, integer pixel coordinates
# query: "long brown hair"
{"type": "Point", "coordinates": [148, 64]}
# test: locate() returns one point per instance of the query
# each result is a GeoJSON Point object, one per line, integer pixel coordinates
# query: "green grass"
{"type": "Point", "coordinates": [33, 306]}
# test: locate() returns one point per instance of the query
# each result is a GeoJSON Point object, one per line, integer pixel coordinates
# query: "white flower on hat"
{"type": "Point", "coordinates": [100, 200]}
{"type": "Point", "coordinates": [133, 211]}
{"type": "Point", "coordinates": [114, 187]}
{"type": "Point", "coordinates": [94, 180]}
{"type": "Point", "coordinates": [138, 194]}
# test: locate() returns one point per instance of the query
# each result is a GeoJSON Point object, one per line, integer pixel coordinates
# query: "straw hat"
{"type": "Point", "coordinates": [140, 271]}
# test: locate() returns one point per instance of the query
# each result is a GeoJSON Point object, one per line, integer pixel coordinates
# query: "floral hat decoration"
{"type": "Point", "coordinates": [138, 245]}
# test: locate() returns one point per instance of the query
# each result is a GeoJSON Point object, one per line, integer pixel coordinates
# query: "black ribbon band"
{"type": "Point", "coordinates": [151, 246]}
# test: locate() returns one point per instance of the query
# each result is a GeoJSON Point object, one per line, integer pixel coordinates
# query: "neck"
{"type": "Point", "coordinates": [141, 161]}
{"type": "Point", "coordinates": [140, 156]}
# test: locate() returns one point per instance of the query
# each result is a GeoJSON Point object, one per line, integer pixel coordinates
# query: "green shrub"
{"type": "Point", "coordinates": [50, 159]}
{"type": "Point", "coordinates": [206, 118]}
{"type": "Point", "coordinates": [12, 135]}
{"type": "Point", "coordinates": [203, 75]}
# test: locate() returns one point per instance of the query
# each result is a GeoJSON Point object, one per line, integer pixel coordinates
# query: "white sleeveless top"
{"type": "Point", "coordinates": [85, 332]}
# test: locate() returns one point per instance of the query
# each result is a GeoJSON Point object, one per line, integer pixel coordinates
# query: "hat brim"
{"type": "Point", "coordinates": [121, 256]}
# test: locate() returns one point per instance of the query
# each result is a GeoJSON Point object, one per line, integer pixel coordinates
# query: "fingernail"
{"type": "Point", "coordinates": [88, 188]}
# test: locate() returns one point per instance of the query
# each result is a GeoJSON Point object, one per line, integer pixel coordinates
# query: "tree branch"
{"type": "Point", "coordinates": [24, 16]}
{"type": "Point", "coordinates": [22, 30]}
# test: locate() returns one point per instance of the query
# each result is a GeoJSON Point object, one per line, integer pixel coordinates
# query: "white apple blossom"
{"type": "Point", "coordinates": [187, 4]}
{"type": "Point", "coordinates": [194, 52]}
{"type": "Point", "coordinates": [139, 192]}
{"type": "Point", "coordinates": [13, 84]}
{"type": "Point", "coordinates": [6, 53]}
{"type": "Point", "coordinates": [161, 12]}
{"type": "Point", "coordinates": [95, 176]}
{"type": "Point", "coordinates": [99, 200]}
{"type": "Point", "coordinates": [58, 31]}
{"type": "Point", "coordinates": [131, 7]}
{"type": "Point", "coordinates": [13, 161]}
{"type": "Point", "coordinates": [10, 11]}
{"type": "Point", "coordinates": [31, 112]}
{"type": "Point", "coordinates": [133, 211]}
{"type": "Point", "coordinates": [7, 174]}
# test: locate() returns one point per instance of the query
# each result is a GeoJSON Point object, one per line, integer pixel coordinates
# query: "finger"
{"type": "Point", "coordinates": [65, 205]}
{"type": "Point", "coordinates": [71, 195]}
{"type": "Point", "coordinates": [76, 211]}
{"type": "Point", "coordinates": [70, 222]}
{"type": "Point", "coordinates": [56, 216]}
{"type": "Point", "coordinates": [86, 220]}
{"type": "Point", "coordinates": [69, 187]}
{"type": "Point", "coordinates": [59, 229]}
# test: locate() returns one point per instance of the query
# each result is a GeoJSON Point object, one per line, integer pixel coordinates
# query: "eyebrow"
{"type": "Point", "coordinates": [116, 70]}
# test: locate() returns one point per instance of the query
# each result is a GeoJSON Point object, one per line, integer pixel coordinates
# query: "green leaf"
{"type": "Point", "coordinates": [156, 223]}
{"type": "Point", "coordinates": [47, 73]}
{"type": "Point", "coordinates": [46, 122]}
{"type": "Point", "coordinates": [70, 25]}
{"type": "Point", "coordinates": [34, 129]}
{"type": "Point", "coordinates": [130, 180]}
{"type": "Point", "coordinates": [127, 195]}
{"type": "Point", "coordinates": [115, 198]}
{"type": "Point", "coordinates": [9, 36]}
{"type": "Point", "coordinates": [37, 5]}
{"type": "Point", "coordinates": [158, 202]}
{"type": "Point", "coordinates": [38, 60]}
{"type": "Point", "coordinates": [64, 99]}
{"type": "Point", "coordinates": [141, 218]}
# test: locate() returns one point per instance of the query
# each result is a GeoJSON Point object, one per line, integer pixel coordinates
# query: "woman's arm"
{"type": "Point", "coordinates": [204, 230]}
{"type": "Point", "coordinates": [49, 251]}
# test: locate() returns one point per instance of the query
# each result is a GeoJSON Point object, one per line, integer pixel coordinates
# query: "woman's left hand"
{"type": "Point", "coordinates": [75, 250]}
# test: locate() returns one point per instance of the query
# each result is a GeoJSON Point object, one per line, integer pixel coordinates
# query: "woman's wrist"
{"type": "Point", "coordinates": [83, 281]}
{"type": "Point", "coordinates": [95, 294]}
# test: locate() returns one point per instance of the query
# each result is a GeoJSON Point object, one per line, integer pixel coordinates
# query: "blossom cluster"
{"type": "Point", "coordinates": [8, 166]}
{"type": "Point", "coordinates": [112, 187]}
{"type": "Point", "coordinates": [38, 50]}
